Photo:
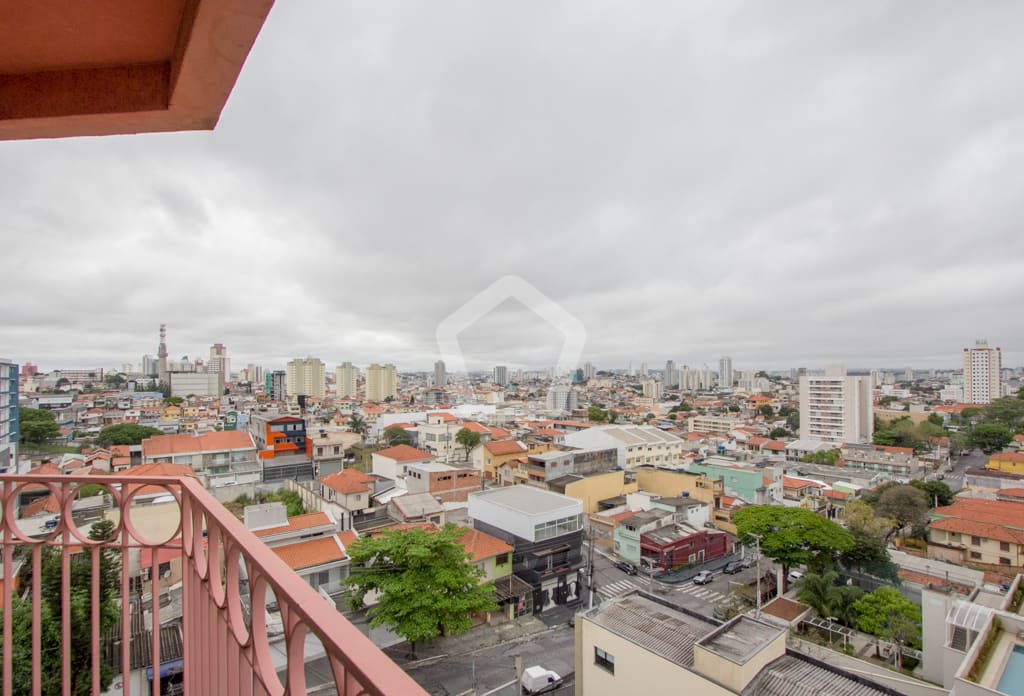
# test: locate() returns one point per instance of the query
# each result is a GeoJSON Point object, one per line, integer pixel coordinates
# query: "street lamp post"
{"type": "Point", "coordinates": [757, 561]}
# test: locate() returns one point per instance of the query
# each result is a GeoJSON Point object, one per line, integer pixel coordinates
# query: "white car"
{"type": "Point", "coordinates": [794, 575]}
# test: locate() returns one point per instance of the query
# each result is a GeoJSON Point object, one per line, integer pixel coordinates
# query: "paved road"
{"type": "Point", "coordinates": [954, 477]}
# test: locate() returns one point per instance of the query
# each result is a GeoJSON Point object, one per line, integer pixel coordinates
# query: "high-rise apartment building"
{"type": "Point", "coordinates": [643, 369]}
{"type": "Point", "coordinates": [836, 408]}
{"type": "Point", "coordinates": [500, 376]}
{"type": "Point", "coordinates": [306, 377]}
{"type": "Point", "coordinates": [671, 374]}
{"type": "Point", "coordinates": [219, 361]}
{"type": "Point", "coordinates": [276, 385]}
{"type": "Point", "coordinates": [345, 376]}
{"type": "Point", "coordinates": [725, 373]}
{"type": "Point", "coordinates": [440, 374]}
{"type": "Point", "coordinates": [561, 398]}
{"type": "Point", "coordinates": [651, 389]}
{"type": "Point", "coordinates": [9, 432]}
{"type": "Point", "coordinates": [589, 371]}
{"type": "Point", "coordinates": [982, 366]}
{"type": "Point", "coordinates": [381, 382]}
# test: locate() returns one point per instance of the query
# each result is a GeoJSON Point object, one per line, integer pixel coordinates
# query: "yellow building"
{"type": "Point", "coordinates": [1012, 462]}
{"type": "Point", "coordinates": [592, 489]}
{"type": "Point", "coordinates": [669, 483]}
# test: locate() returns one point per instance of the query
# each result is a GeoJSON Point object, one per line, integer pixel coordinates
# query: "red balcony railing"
{"type": "Point", "coordinates": [227, 577]}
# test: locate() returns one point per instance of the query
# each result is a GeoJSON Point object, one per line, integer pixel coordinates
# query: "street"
{"type": "Point", "coordinates": [954, 478]}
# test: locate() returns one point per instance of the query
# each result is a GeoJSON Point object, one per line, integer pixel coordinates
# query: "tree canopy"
{"type": "Point", "coordinates": [396, 435]}
{"type": "Point", "coordinates": [1008, 411]}
{"type": "Point", "coordinates": [827, 457]}
{"type": "Point", "coordinates": [424, 581]}
{"type": "Point", "coordinates": [888, 614]}
{"type": "Point", "coordinates": [869, 552]}
{"type": "Point", "coordinates": [125, 434]}
{"type": "Point", "coordinates": [794, 536]}
{"type": "Point", "coordinates": [596, 414]}
{"type": "Point", "coordinates": [37, 426]}
{"type": "Point", "coordinates": [357, 425]}
{"type": "Point", "coordinates": [904, 504]}
{"type": "Point", "coordinates": [990, 437]}
{"type": "Point", "coordinates": [468, 439]}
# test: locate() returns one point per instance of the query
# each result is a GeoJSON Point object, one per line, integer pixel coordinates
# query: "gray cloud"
{"type": "Point", "coordinates": [790, 184]}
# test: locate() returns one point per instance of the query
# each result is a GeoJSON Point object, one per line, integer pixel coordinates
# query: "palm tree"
{"type": "Point", "coordinates": [820, 593]}
{"type": "Point", "coordinates": [357, 425]}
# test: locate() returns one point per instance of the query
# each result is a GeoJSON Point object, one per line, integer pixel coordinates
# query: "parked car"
{"type": "Point", "coordinates": [627, 568]}
{"type": "Point", "coordinates": [794, 575]}
{"type": "Point", "coordinates": [702, 578]}
{"type": "Point", "coordinates": [733, 567]}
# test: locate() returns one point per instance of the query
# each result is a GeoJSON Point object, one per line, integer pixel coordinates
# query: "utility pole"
{"type": "Point", "coordinates": [757, 562]}
{"type": "Point", "coordinates": [590, 563]}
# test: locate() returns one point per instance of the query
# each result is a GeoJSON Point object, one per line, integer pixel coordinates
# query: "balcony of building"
{"type": "Point", "coordinates": [176, 597]}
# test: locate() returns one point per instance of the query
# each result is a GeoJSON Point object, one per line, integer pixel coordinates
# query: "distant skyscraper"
{"type": "Point", "coordinates": [500, 376]}
{"type": "Point", "coordinates": [725, 374]}
{"type": "Point", "coordinates": [982, 366]}
{"type": "Point", "coordinates": [381, 382]}
{"type": "Point", "coordinates": [9, 433]}
{"type": "Point", "coordinates": [671, 376]}
{"type": "Point", "coordinates": [440, 375]}
{"type": "Point", "coordinates": [150, 366]}
{"type": "Point", "coordinates": [908, 374]}
{"type": "Point", "coordinates": [589, 371]}
{"type": "Point", "coordinates": [836, 408]}
{"type": "Point", "coordinates": [643, 369]}
{"type": "Point", "coordinates": [652, 389]}
{"type": "Point", "coordinates": [561, 398]}
{"type": "Point", "coordinates": [345, 376]}
{"type": "Point", "coordinates": [306, 377]}
{"type": "Point", "coordinates": [219, 360]}
{"type": "Point", "coordinates": [161, 356]}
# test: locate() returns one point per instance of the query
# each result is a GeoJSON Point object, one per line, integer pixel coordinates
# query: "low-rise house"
{"type": "Point", "coordinates": [635, 445]}
{"type": "Point", "coordinates": [217, 457]}
{"type": "Point", "coordinates": [392, 462]}
{"type": "Point", "coordinates": [682, 544]}
{"type": "Point", "coordinates": [446, 483]}
{"type": "Point", "coordinates": [978, 532]}
{"type": "Point", "coordinates": [897, 462]}
{"type": "Point", "coordinates": [488, 456]}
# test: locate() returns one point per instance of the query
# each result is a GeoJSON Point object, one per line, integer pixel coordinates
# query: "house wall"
{"type": "Point", "coordinates": [592, 489]}
{"type": "Point", "coordinates": [672, 484]}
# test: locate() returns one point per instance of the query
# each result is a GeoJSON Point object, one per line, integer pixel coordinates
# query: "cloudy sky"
{"type": "Point", "coordinates": [791, 183]}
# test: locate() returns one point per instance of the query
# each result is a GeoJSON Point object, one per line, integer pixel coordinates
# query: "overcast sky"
{"type": "Point", "coordinates": [788, 183]}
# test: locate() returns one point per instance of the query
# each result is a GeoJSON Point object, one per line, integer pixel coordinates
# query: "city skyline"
{"type": "Point", "coordinates": [829, 184]}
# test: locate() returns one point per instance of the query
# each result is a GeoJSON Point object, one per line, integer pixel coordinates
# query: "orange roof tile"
{"type": "Point", "coordinates": [447, 417]}
{"type": "Point", "coordinates": [480, 545]}
{"type": "Point", "coordinates": [404, 453]}
{"type": "Point", "coordinates": [503, 447]}
{"type": "Point", "coordinates": [476, 428]}
{"type": "Point", "coordinates": [216, 441]}
{"type": "Point", "coordinates": [500, 434]}
{"type": "Point", "coordinates": [49, 505]}
{"type": "Point", "coordinates": [1014, 457]}
{"type": "Point", "coordinates": [312, 552]}
{"type": "Point", "coordinates": [348, 481]}
{"type": "Point", "coordinates": [296, 524]}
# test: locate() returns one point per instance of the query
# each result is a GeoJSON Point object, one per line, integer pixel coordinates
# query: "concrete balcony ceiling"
{"type": "Point", "coordinates": [71, 68]}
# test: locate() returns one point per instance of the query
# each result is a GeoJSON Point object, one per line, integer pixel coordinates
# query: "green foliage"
{"type": "Point", "coordinates": [990, 437]}
{"type": "Point", "coordinates": [357, 425]}
{"type": "Point", "coordinates": [904, 504]}
{"type": "Point", "coordinates": [902, 432]}
{"type": "Point", "coordinates": [681, 406]}
{"type": "Point", "coordinates": [889, 615]}
{"type": "Point", "coordinates": [425, 582]}
{"type": "Point", "coordinates": [733, 408]}
{"type": "Point", "coordinates": [37, 426]}
{"type": "Point", "coordinates": [767, 411]}
{"type": "Point", "coordinates": [291, 500]}
{"type": "Point", "coordinates": [173, 401]}
{"type": "Point", "coordinates": [468, 439]}
{"type": "Point", "coordinates": [985, 653]}
{"type": "Point", "coordinates": [125, 434]}
{"type": "Point", "coordinates": [779, 433]}
{"type": "Point", "coordinates": [935, 491]}
{"type": "Point", "coordinates": [935, 419]}
{"type": "Point", "coordinates": [115, 380]}
{"type": "Point", "coordinates": [794, 536]}
{"type": "Point", "coordinates": [396, 435]}
{"type": "Point", "coordinates": [1008, 411]}
{"type": "Point", "coordinates": [826, 457]}
{"type": "Point", "coordinates": [596, 414]}
{"type": "Point", "coordinates": [80, 610]}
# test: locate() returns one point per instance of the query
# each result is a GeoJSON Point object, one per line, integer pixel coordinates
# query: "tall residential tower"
{"type": "Point", "coordinates": [836, 408]}
{"type": "Point", "coordinates": [981, 373]}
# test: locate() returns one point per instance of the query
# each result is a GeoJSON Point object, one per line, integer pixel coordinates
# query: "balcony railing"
{"type": "Point", "coordinates": [228, 581]}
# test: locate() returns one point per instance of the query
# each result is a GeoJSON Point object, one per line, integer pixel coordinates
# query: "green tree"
{"type": "Point", "coordinates": [682, 406]}
{"type": "Point", "coordinates": [173, 401]}
{"type": "Point", "coordinates": [904, 505]}
{"type": "Point", "coordinates": [901, 432]}
{"type": "Point", "coordinates": [869, 552]}
{"type": "Point", "coordinates": [767, 411]}
{"type": "Point", "coordinates": [826, 457]}
{"type": "Point", "coordinates": [990, 437]}
{"type": "Point", "coordinates": [115, 380]}
{"type": "Point", "coordinates": [396, 435]}
{"type": "Point", "coordinates": [125, 434]}
{"type": "Point", "coordinates": [779, 433]}
{"type": "Point", "coordinates": [794, 536]}
{"type": "Point", "coordinates": [733, 408]}
{"type": "Point", "coordinates": [37, 426]}
{"type": "Point", "coordinates": [1008, 411]}
{"type": "Point", "coordinates": [935, 419]}
{"type": "Point", "coordinates": [613, 415]}
{"type": "Point", "coordinates": [596, 414]}
{"type": "Point", "coordinates": [468, 439]}
{"type": "Point", "coordinates": [937, 492]}
{"type": "Point", "coordinates": [889, 615]}
{"type": "Point", "coordinates": [357, 425]}
{"type": "Point", "coordinates": [820, 592]}
{"type": "Point", "coordinates": [793, 420]}
{"type": "Point", "coordinates": [425, 583]}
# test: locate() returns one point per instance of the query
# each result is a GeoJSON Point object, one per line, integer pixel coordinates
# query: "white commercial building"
{"type": "Point", "coordinates": [561, 398]}
{"type": "Point", "coordinates": [635, 444]}
{"type": "Point", "coordinates": [184, 384]}
{"type": "Point", "coordinates": [836, 408]}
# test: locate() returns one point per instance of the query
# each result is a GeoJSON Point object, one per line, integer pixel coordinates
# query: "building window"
{"type": "Point", "coordinates": [975, 541]}
{"type": "Point", "coordinates": [975, 555]}
{"type": "Point", "coordinates": [1004, 546]}
{"type": "Point", "coordinates": [604, 660]}
{"type": "Point", "coordinates": [1004, 561]}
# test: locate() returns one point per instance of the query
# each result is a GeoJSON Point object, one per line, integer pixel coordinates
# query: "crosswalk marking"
{"type": "Point", "coordinates": [616, 588]}
{"type": "Point", "coordinates": [701, 592]}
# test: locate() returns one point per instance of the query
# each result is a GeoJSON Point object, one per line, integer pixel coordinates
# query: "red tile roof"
{"type": "Point", "coordinates": [1001, 520]}
{"type": "Point", "coordinates": [313, 552]}
{"type": "Point", "coordinates": [49, 505]}
{"type": "Point", "coordinates": [500, 434]}
{"type": "Point", "coordinates": [476, 428]}
{"type": "Point", "coordinates": [348, 481]}
{"type": "Point", "coordinates": [217, 441]}
{"type": "Point", "coordinates": [503, 447]}
{"type": "Point", "coordinates": [480, 545]}
{"type": "Point", "coordinates": [296, 524]}
{"type": "Point", "coordinates": [404, 453]}
{"type": "Point", "coordinates": [447, 417]}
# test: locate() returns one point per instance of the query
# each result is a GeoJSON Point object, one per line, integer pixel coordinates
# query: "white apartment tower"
{"type": "Point", "coordinates": [725, 373]}
{"type": "Point", "coordinates": [219, 360]}
{"type": "Point", "coordinates": [440, 374]}
{"type": "Point", "coordinates": [981, 373]}
{"type": "Point", "coordinates": [345, 376]}
{"type": "Point", "coordinates": [561, 398]}
{"type": "Point", "coordinates": [836, 408]}
{"type": "Point", "coordinates": [381, 382]}
{"type": "Point", "coordinates": [306, 377]}
{"type": "Point", "coordinates": [671, 374]}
